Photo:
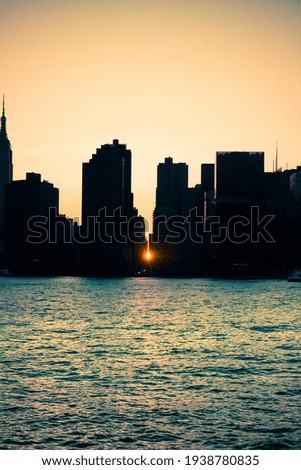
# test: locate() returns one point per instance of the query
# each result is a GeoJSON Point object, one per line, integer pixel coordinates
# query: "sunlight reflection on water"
{"type": "Point", "coordinates": [143, 363]}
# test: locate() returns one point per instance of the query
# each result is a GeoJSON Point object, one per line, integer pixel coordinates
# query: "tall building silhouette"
{"type": "Point", "coordinates": [25, 199]}
{"type": "Point", "coordinates": [239, 187]}
{"type": "Point", "coordinates": [107, 199]}
{"type": "Point", "coordinates": [172, 181]}
{"type": "Point", "coordinates": [6, 168]}
{"type": "Point", "coordinates": [282, 199]}
{"type": "Point", "coordinates": [239, 175]}
{"type": "Point", "coordinates": [207, 176]}
{"type": "Point", "coordinates": [171, 199]}
{"type": "Point", "coordinates": [107, 181]}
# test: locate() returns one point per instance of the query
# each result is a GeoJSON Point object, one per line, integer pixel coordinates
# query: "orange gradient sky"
{"type": "Point", "coordinates": [184, 78]}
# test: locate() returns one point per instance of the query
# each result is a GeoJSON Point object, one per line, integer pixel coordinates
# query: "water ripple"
{"type": "Point", "coordinates": [147, 363]}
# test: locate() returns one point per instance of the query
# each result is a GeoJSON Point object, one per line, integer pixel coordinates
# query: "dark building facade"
{"type": "Point", "coordinates": [107, 181]}
{"type": "Point", "coordinates": [174, 251]}
{"type": "Point", "coordinates": [207, 176]}
{"type": "Point", "coordinates": [108, 214]}
{"type": "Point", "coordinates": [25, 199]}
{"type": "Point", "coordinates": [172, 181]}
{"type": "Point", "coordinates": [239, 183]}
{"type": "Point", "coordinates": [239, 175]}
{"type": "Point", "coordinates": [282, 190]}
{"type": "Point", "coordinates": [6, 169]}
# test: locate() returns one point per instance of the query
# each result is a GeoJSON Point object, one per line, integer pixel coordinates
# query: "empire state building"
{"type": "Point", "coordinates": [6, 168]}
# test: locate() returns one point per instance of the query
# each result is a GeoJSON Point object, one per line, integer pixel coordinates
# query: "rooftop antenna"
{"type": "Point", "coordinates": [276, 155]}
{"type": "Point", "coordinates": [273, 165]}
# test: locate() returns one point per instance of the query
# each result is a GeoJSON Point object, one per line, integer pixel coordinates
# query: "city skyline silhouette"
{"type": "Point", "coordinates": [234, 203]}
{"type": "Point", "coordinates": [168, 79]}
{"type": "Point", "coordinates": [150, 233]}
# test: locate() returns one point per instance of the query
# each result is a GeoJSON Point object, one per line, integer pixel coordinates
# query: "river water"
{"type": "Point", "coordinates": [149, 363]}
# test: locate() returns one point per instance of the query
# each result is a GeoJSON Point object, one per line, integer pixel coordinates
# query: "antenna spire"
{"type": "Point", "coordinates": [3, 119]}
{"type": "Point", "coordinates": [276, 155]}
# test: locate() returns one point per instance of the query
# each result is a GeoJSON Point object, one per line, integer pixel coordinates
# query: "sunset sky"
{"type": "Point", "coordinates": [184, 78]}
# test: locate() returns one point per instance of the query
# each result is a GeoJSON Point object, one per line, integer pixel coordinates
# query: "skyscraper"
{"type": "Point", "coordinates": [6, 168]}
{"type": "Point", "coordinates": [171, 197]}
{"type": "Point", "coordinates": [107, 208]}
{"type": "Point", "coordinates": [239, 192]}
{"type": "Point", "coordinates": [207, 177]}
{"type": "Point", "coordinates": [107, 181]}
{"type": "Point", "coordinates": [239, 175]}
{"type": "Point", "coordinates": [25, 199]}
{"type": "Point", "coordinates": [172, 180]}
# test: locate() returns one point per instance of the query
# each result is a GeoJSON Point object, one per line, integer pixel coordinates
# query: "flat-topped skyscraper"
{"type": "Point", "coordinates": [172, 180]}
{"type": "Point", "coordinates": [239, 175]}
{"type": "Point", "coordinates": [107, 200]}
{"type": "Point", "coordinates": [239, 202]}
{"type": "Point", "coordinates": [6, 168]}
{"type": "Point", "coordinates": [107, 181]}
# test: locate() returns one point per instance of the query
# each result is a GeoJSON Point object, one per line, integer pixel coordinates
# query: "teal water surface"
{"type": "Point", "coordinates": [148, 363]}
